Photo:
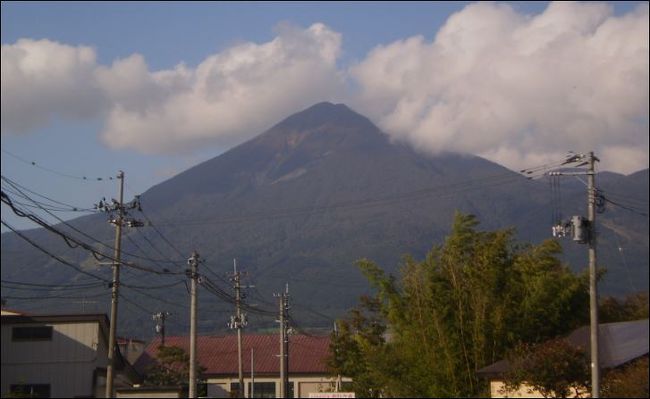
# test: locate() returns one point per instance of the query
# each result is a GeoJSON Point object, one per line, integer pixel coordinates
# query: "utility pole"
{"type": "Point", "coordinates": [593, 283]}
{"type": "Point", "coordinates": [160, 319]}
{"type": "Point", "coordinates": [238, 322]}
{"type": "Point", "coordinates": [284, 342]}
{"type": "Point", "coordinates": [337, 387]}
{"type": "Point", "coordinates": [118, 221]}
{"type": "Point", "coordinates": [110, 368]}
{"type": "Point", "coordinates": [584, 232]}
{"type": "Point", "coordinates": [193, 261]}
{"type": "Point", "coordinates": [251, 392]}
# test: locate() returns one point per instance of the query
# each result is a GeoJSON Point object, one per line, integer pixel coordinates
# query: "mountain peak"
{"type": "Point", "coordinates": [325, 113]}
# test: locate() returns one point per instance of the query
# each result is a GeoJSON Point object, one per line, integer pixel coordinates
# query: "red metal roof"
{"type": "Point", "coordinates": [218, 354]}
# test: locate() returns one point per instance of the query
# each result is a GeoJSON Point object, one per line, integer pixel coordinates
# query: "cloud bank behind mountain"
{"type": "Point", "coordinates": [517, 89]}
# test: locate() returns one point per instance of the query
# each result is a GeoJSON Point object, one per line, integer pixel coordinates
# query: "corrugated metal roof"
{"type": "Point", "coordinates": [619, 343]}
{"type": "Point", "coordinates": [218, 354]}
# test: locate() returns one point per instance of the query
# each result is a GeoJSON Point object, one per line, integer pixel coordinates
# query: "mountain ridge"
{"type": "Point", "coordinates": [302, 201]}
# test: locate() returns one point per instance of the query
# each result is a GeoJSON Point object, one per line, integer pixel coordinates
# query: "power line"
{"type": "Point", "coordinates": [74, 242]}
{"type": "Point", "coordinates": [171, 245]}
{"type": "Point", "coordinates": [225, 296]}
{"type": "Point", "coordinates": [63, 261]}
{"type": "Point", "coordinates": [627, 208]}
{"type": "Point", "coordinates": [316, 313]}
{"type": "Point", "coordinates": [59, 289]}
{"type": "Point", "coordinates": [42, 297]}
{"type": "Point", "coordinates": [39, 221]}
{"type": "Point", "coordinates": [490, 181]}
{"type": "Point", "coordinates": [626, 199]}
{"type": "Point", "coordinates": [18, 187]}
{"type": "Point", "coordinates": [78, 269]}
{"type": "Point", "coordinates": [33, 163]}
{"type": "Point", "coordinates": [50, 285]}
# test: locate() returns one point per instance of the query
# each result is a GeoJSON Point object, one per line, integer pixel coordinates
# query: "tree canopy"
{"type": "Point", "coordinates": [172, 368]}
{"type": "Point", "coordinates": [474, 297]}
{"type": "Point", "coordinates": [555, 369]}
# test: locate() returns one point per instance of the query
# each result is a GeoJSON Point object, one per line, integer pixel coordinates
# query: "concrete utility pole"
{"type": "Point", "coordinates": [118, 221]}
{"type": "Point", "coordinates": [160, 319]}
{"type": "Point", "coordinates": [584, 232]}
{"type": "Point", "coordinates": [593, 283]}
{"type": "Point", "coordinates": [284, 342]}
{"type": "Point", "coordinates": [238, 322]}
{"type": "Point", "coordinates": [251, 393]}
{"type": "Point", "coordinates": [193, 261]}
{"type": "Point", "coordinates": [337, 387]}
{"type": "Point", "coordinates": [110, 368]}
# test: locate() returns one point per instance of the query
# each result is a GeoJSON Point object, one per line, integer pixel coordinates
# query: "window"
{"type": "Point", "coordinates": [263, 390]}
{"type": "Point", "coordinates": [30, 390]}
{"type": "Point", "coordinates": [41, 333]}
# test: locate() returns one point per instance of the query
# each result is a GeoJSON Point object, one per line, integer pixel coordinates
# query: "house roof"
{"type": "Point", "coordinates": [218, 354]}
{"type": "Point", "coordinates": [102, 319]}
{"type": "Point", "coordinates": [619, 343]}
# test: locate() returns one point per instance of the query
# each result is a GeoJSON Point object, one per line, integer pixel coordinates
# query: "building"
{"type": "Point", "coordinates": [620, 343]}
{"type": "Point", "coordinates": [130, 348]}
{"type": "Point", "coordinates": [218, 354]}
{"type": "Point", "coordinates": [58, 356]}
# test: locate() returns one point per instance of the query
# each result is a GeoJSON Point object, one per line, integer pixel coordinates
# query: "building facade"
{"type": "Point", "coordinates": [58, 356]}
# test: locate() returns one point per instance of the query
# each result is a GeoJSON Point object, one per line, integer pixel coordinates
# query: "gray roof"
{"type": "Point", "coordinates": [619, 343]}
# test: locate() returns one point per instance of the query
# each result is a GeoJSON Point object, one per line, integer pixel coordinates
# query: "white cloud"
{"type": "Point", "coordinates": [42, 80]}
{"type": "Point", "coordinates": [227, 98]}
{"type": "Point", "coordinates": [517, 89]}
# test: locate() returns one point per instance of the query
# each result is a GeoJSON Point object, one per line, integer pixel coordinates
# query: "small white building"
{"type": "Point", "coordinates": [58, 356]}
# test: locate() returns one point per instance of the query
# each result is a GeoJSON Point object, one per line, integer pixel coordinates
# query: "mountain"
{"type": "Point", "coordinates": [301, 202]}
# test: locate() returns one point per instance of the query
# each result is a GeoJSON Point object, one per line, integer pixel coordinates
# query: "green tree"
{"type": "Point", "coordinates": [461, 308]}
{"type": "Point", "coordinates": [358, 343]}
{"type": "Point", "coordinates": [630, 381]}
{"type": "Point", "coordinates": [171, 369]}
{"type": "Point", "coordinates": [553, 368]}
{"type": "Point", "coordinates": [632, 307]}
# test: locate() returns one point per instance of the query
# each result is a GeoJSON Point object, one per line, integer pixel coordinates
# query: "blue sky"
{"type": "Point", "coordinates": [459, 54]}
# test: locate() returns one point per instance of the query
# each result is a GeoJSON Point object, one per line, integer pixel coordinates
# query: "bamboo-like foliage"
{"type": "Point", "coordinates": [461, 308]}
